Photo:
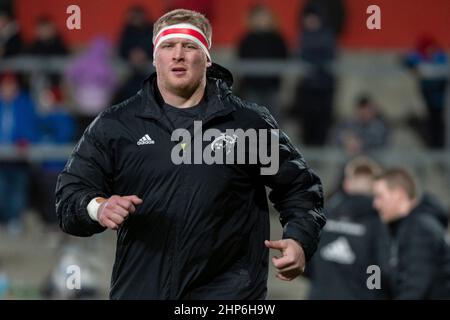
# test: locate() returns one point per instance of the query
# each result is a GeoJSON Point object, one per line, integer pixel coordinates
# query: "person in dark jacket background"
{"type": "Point", "coordinates": [419, 253]}
{"type": "Point", "coordinates": [11, 43]}
{"type": "Point", "coordinates": [188, 231]}
{"type": "Point", "coordinates": [351, 240]}
{"type": "Point", "coordinates": [432, 205]}
{"type": "Point", "coordinates": [262, 41]}
{"type": "Point", "coordinates": [48, 41]}
{"type": "Point", "coordinates": [135, 33]}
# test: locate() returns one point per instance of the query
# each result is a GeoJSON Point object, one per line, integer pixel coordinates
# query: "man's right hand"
{"type": "Point", "coordinates": [115, 210]}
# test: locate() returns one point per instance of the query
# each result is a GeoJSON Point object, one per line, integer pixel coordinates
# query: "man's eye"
{"type": "Point", "coordinates": [191, 46]}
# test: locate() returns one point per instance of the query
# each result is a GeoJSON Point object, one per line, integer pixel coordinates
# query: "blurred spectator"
{"type": "Point", "coordinates": [262, 41]}
{"type": "Point", "coordinates": [47, 40]}
{"type": "Point", "coordinates": [315, 93]}
{"type": "Point", "coordinates": [314, 106]}
{"type": "Point", "coordinates": [18, 126]}
{"type": "Point", "coordinates": [92, 81]}
{"type": "Point", "coordinates": [366, 131]}
{"type": "Point", "coordinates": [137, 32]}
{"type": "Point", "coordinates": [332, 13]}
{"type": "Point", "coordinates": [47, 43]}
{"type": "Point", "coordinates": [317, 40]}
{"type": "Point", "coordinates": [419, 259]}
{"type": "Point", "coordinates": [10, 39]}
{"type": "Point", "coordinates": [57, 128]}
{"type": "Point", "coordinates": [430, 63]}
{"type": "Point", "coordinates": [353, 239]}
{"type": "Point", "coordinates": [140, 69]}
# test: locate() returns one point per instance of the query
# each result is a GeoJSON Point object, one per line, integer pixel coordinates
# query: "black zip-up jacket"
{"type": "Point", "coordinates": [200, 230]}
{"type": "Point", "coordinates": [351, 241]}
{"type": "Point", "coordinates": [420, 254]}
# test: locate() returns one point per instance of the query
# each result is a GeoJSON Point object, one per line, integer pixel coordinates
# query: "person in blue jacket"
{"type": "Point", "coordinates": [18, 127]}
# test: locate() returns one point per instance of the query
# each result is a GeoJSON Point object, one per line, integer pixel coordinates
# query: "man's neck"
{"type": "Point", "coordinates": [180, 100]}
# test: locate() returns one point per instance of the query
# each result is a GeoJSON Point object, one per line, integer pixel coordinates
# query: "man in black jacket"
{"type": "Point", "coordinates": [189, 231]}
{"type": "Point", "coordinates": [351, 241]}
{"type": "Point", "coordinates": [419, 253]}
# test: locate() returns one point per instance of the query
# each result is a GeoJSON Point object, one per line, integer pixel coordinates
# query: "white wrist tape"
{"type": "Point", "coordinates": [92, 208]}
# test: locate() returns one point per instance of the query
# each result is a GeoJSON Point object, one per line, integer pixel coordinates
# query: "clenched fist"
{"type": "Point", "coordinates": [115, 210]}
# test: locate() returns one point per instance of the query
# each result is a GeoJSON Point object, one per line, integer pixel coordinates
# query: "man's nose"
{"type": "Point", "coordinates": [178, 53]}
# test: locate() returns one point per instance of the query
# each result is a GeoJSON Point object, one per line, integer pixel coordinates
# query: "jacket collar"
{"type": "Point", "coordinates": [217, 89]}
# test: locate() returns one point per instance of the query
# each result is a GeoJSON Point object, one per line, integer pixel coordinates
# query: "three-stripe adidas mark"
{"type": "Point", "coordinates": [145, 140]}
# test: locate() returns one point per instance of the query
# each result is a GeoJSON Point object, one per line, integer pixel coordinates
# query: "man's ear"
{"type": "Point", "coordinates": [208, 64]}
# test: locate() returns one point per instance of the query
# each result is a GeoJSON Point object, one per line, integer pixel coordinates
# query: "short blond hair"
{"type": "Point", "coordinates": [184, 16]}
{"type": "Point", "coordinates": [362, 166]}
{"type": "Point", "coordinates": [400, 178]}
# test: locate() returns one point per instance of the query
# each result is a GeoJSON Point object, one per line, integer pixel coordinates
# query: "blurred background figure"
{"type": "Point", "coordinates": [58, 128]}
{"type": "Point", "coordinates": [47, 41]}
{"type": "Point", "coordinates": [136, 33]}
{"type": "Point", "coordinates": [318, 35]}
{"type": "Point", "coordinates": [10, 38]}
{"type": "Point", "coordinates": [140, 68]}
{"type": "Point", "coordinates": [18, 127]}
{"type": "Point", "coordinates": [353, 239]}
{"type": "Point", "coordinates": [365, 132]}
{"type": "Point", "coordinates": [263, 40]}
{"type": "Point", "coordinates": [315, 93]}
{"type": "Point", "coordinates": [419, 259]}
{"type": "Point", "coordinates": [92, 80]}
{"type": "Point", "coordinates": [332, 12]}
{"type": "Point", "coordinates": [430, 64]}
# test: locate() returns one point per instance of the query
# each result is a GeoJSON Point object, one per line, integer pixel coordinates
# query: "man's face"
{"type": "Point", "coordinates": [386, 200]}
{"type": "Point", "coordinates": [366, 113]}
{"type": "Point", "coordinates": [181, 65]}
{"type": "Point", "coordinates": [45, 31]}
{"type": "Point", "coordinates": [9, 89]}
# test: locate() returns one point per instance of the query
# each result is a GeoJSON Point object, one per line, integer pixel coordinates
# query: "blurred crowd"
{"type": "Point", "coordinates": [90, 82]}
{"type": "Point", "coordinates": [385, 238]}
{"type": "Point", "coordinates": [67, 102]}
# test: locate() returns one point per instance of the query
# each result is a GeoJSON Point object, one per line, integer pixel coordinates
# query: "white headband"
{"type": "Point", "coordinates": [182, 30]}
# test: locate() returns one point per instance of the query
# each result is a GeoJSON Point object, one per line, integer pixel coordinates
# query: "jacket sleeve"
{"type": "Point", "coordinates": [87, 174]}
{"type": "Point", "coordinates": [417, 262]}
{"type": "Point", "coordinates": [296, 193]}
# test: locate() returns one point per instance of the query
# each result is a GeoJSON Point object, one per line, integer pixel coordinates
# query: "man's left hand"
{"type": "Point", "coordinates": [292, 262]}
